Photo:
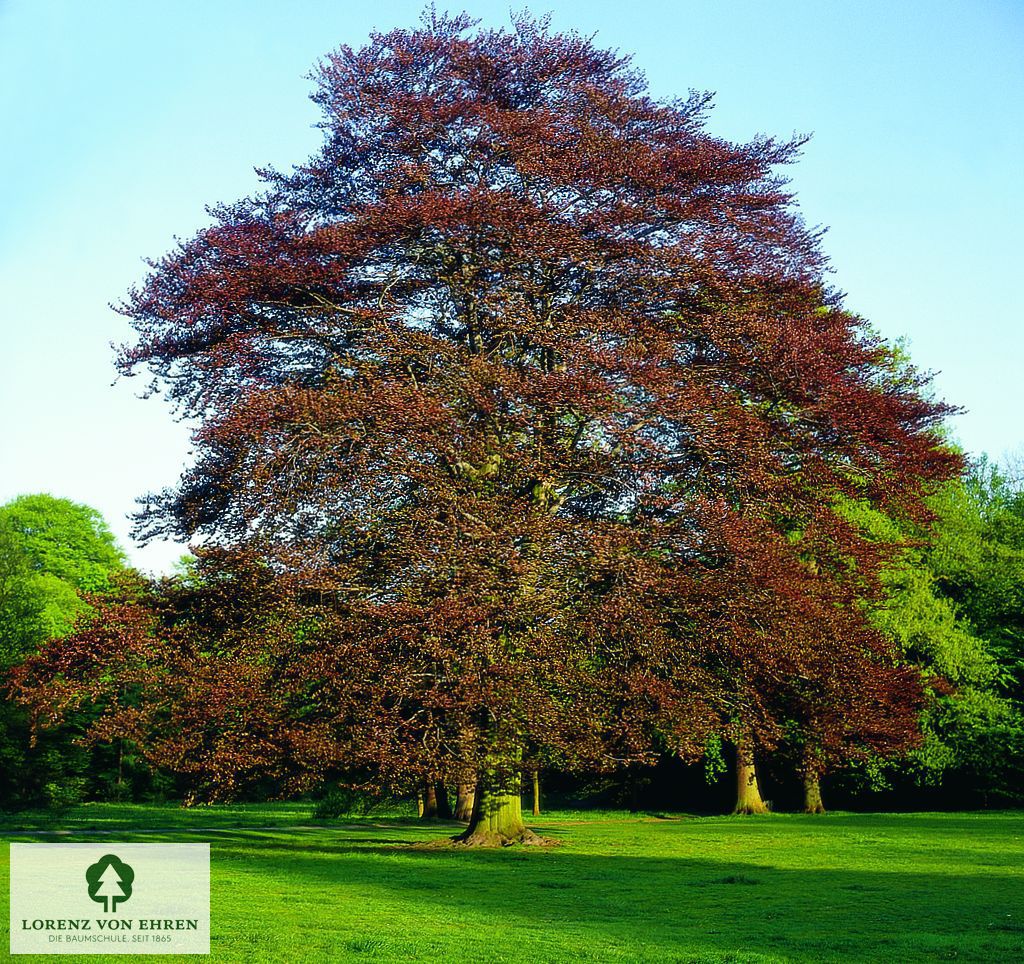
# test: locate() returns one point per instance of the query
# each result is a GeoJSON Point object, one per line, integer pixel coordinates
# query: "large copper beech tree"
{"type": "Point", "coordinates": [527, 396]}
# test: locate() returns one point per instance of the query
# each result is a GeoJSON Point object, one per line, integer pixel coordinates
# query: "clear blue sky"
{"type": "Point", "coordinates": [120, 119]}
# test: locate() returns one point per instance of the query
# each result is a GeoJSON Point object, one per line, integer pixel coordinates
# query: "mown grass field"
{"type": "Point", "coordinates": [621, 887]}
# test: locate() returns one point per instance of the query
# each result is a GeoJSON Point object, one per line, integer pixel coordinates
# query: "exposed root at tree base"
{"type": "Point", "coordinates": [488, 838]}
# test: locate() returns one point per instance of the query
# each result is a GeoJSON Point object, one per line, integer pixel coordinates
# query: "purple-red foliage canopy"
{"type": "Point", "coordinates": [532, 394]}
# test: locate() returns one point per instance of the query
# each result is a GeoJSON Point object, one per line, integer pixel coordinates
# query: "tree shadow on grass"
{"type": "Point", "coordinates": [704, 895]}
{"type": "Point", "coordinates": [674, 907]}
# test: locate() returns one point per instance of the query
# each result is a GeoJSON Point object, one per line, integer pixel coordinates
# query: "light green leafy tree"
{"type": "Point", "coordinates": [52, 552]}
{"type": "Point", "coordinates": [953, 604]}
{"type": "Point", "coordinates": [978, 563]}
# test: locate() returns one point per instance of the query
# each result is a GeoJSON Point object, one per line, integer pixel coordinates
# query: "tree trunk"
{"type": "Point", "coordinates": [536, 793]}
{"type": "Point", "coordinates": [812, 793]}
{"type": "Point", "coordinates": [497, 819]}
{"type": "Point", "coordinates": [748, 794]}
{"type": "Point", "coordinates": [444, 806]}
{"type": "Point", "coordinates": [429, 803]}
{"type": "Point", "coordinates": [464, 794]}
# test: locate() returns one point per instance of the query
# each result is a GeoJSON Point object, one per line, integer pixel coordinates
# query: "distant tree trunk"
{"type": "Point", "coordinates": [464, 793]}
{"type": "Point", "coordinates": [429, 802]}
{"type": "Point", "coordinates": [748, 794]}
{"type": "Point", "coordinates": [812, 793]}
{"type": "Point", "coordinates": [536, 793]}
{"type": "Point", "coordinates": [634, 791]}
{"type": "Point", "coordinates": [119, 792]}
{"type": "Point", "coordinates": [444, 806]}
{"type": "Point", "coordinates": [419, 803]}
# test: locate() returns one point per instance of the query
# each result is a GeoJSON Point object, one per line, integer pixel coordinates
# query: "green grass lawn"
{"type": "Point", "coordinates": [870, 887]}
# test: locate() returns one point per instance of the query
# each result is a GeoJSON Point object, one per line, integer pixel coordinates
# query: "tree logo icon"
{"type": "Point", "coordinates": [110, 881]}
